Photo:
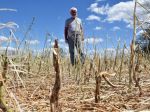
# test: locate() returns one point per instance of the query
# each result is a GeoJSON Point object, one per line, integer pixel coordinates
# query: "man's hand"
{"type": "Point", "coordinates": [82, 38]}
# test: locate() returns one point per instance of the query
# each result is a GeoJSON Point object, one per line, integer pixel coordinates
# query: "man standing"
{"type": "Point", "coordinates": [74, 35]}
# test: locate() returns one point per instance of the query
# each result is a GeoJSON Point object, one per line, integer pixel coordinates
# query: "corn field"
{"type": "Point", "coordinates": [45, 81]}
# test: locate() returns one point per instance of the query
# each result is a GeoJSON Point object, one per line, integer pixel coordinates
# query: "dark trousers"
{"type": "Point", "coordinates": [75, 42]}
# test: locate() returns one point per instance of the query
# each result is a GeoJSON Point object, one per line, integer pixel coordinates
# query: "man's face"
{"type": "Point", "coordinates": [73, 13]}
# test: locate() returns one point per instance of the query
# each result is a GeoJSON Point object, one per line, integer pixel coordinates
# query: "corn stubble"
{"type": "Point", "coordinates": [61, 89]}
{"type": "Point", "coordinates": [47, 82]}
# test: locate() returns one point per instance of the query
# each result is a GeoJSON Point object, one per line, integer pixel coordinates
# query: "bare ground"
{"type": "Point", "coordinates": [76, 96]}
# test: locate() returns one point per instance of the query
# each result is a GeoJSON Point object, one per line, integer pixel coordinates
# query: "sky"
{"type": "Point", "coordinates": [105, 20]}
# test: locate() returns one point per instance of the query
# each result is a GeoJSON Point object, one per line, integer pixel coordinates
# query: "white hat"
{"type": "Point", "coordinates": [73, 9]}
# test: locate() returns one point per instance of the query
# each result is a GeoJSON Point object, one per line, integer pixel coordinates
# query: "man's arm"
{"type": "Point", "coordinates": [66, 33]}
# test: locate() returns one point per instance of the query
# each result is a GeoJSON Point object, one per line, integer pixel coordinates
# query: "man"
{"type": "Point", "coordinates": [74, 35]}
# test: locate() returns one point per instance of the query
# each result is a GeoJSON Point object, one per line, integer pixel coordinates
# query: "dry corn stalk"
{"type": "Point", "coordinates": [132, 48]}
{"type": "Point", "coordinates": [116, 57]}
{"type": "Point", "coordinates": [104, 75]}
{"type": "Point", "coordinates": [98, 78]}
{"type": "Point", "coordinates": [97, 92]}
{"type": "Point", "coordinates": [137, 84]}
{"type": "Point", "coordinates": [3, 79]}
{"type": "Point", "coordinates": [132, 70]}
{"type": "Point", "coordinates": [121, 65]}
{"type": "Point", "coordinates": [55, 91]}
